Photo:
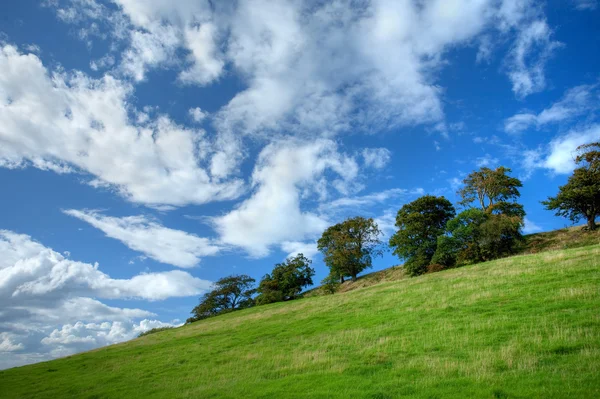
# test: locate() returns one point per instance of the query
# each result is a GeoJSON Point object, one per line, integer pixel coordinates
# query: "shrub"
{"type": "Point", "coordinates": [155, 330]}
{"type": "Point", "coordinates": [435, 267]}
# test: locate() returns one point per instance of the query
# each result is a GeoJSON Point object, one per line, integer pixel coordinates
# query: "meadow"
{"type": "Point", "coordinates": [521, 327]}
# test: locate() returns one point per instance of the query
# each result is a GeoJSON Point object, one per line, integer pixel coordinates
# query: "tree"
{"type": "Point", "coordinates": [476, 236]}
{"type": "Point", "coordinates": [419, 224]}
{"type": "Point", "coordinates": [349, 247]}
{"type": "Point", "coordinates": [490, 186]}
{"type": "Point", "coordinates": [580, 197]}
{"type": "Point", "coordinates": [330, 284]}
{"type": "Point", "coordinates": [229, 294]}
{"type": "Point", "coordinates": [286, 281]}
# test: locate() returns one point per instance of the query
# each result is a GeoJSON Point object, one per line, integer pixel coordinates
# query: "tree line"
{"type": "Point", "coordinates": [431, 236]}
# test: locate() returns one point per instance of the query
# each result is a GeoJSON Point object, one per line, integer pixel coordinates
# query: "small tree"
{"type": "Point", "coordinates": [580, 197]}
{"type": "Point", "coordinates": [349, 247]}
{"type": "Point", "coordinates": [490, 186]}
{"type": "Point", "coordinates": [286, 281]}
{"type": "Point", "coordinates": [330, 284]}
{"type": "Point", "coordinates": [419, 224]}
{"type": "Point", "coordinates": [230, 293]}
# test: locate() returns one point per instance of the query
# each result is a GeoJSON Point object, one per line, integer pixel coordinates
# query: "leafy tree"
{"type": "Point", "coordinates": [476, 236]}
{"type": "Point", "coordinates": [419, 224]}
{"type": "Point", "coordinates": [349, 247]}
{"type": "Point", "coordinates": [330, 284]}
{"type": "Point", "coordinates": [286, 281]}
{"type": "Point", "coordinates": [490, 186]}
{"type": "Point", "coordinates": [580, 197]}
{"type": "Point", "coordinates": [229, 294]}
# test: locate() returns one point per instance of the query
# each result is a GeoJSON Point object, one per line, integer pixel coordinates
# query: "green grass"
{"type": "Point", "coordinates": [521, 327]}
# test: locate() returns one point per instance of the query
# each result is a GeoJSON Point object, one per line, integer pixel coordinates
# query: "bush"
{"type": "Point", "coordinates": [155, 330]}
{"type": "Point", "coordinates": [330, 284]}
{"type": "Point", "coordinates": [435, 267]}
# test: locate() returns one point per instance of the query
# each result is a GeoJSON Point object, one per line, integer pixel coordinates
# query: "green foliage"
{"type": "Point", "coordinates": [475, 236]}
{"type": "Point", "coordinates": [349, 247]}
{"type": "Point", "coordinates": [419, 224]}
{"type": "Point", "coordinates": [489, 186]}
{"type": "Point", "coordinates": [523, 327]}
{"type": "Point", "coordinates": [580, 197]}
{"type": "Point", "coordinates": [286, 281]}
{"type": "Point", "coordinates": [330, 284]}
{"type": "Point", "coordinates": [229, 294]}
{"type": "Point", "coordinates": [154, 330]}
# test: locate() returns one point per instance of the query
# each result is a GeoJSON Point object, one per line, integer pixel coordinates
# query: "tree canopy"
{"type": "Point", "coordinates": [419, 224]}
{"type": "Point", "coordinates": [489, 187]}
{"type": "Point", "coordinates": [349, 247]}
{"type": "Point", "coordinates": [580, 197]}
{"type": "Point", "coordinates": [229, 294]}
{"type": "Point", "coordinates": [286, 281]}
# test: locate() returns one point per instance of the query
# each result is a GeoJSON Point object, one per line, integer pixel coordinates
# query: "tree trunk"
{"type": "Point", "coordinates": [341, 279]}
{"type": "Point", "coordinates": [354, 277]}
{"type": "Point", "coordinates": [591, 222]}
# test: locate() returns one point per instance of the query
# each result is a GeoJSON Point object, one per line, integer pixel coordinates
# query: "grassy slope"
{"type": "Point", "coordinates": [571, 237]}
{"type": "Point", "coordinates": [527, 326]}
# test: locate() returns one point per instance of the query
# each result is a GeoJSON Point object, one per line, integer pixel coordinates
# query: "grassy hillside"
{"type": "Point", "coordinates": [571, 237]}
{"type": "Point", "coordinates": [522, 327]}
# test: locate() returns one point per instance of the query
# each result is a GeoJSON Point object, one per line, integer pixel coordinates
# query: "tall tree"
{"type": "Point", "coordinates": [349, 247]}
{"type": "Point", "coordinates": [229, 294]}
{"type": "Point", "coordinates": [488, 187]}
{"type": "Point", "coordinates": [419, 224]}
{"type": "Point", "coordinates": [580, 197]}
{"type": "Point", "coordinates": [286, 281]}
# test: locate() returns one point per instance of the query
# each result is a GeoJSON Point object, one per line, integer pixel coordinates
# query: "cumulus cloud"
{"type": "Point", "coordinates": [376, 157]}
{"type": "Point", "coordinates": [576, 102]}
{"type": "Point", "coordinates": [559, 155]}
{"type": "Point", "coordinates": [66, 122]}
{"type": "Point", "coordinates": [293, 248]}
{"type": "Point", "coordinates": [324, 67]}
{"type": "Point", "coordinates": [284, 171]}
{"type": "Point", "coordinates": [197, 114]}
{"type": "Point", "coordinates": [175, 247]}
{"type": "Point", "coordinates": [40, 289]}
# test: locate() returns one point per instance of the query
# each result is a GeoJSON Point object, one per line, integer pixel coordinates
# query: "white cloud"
{"type": "Point", "coordinates": [293, 248]}
{"type": "Point", "coordinates": [7, 345]}
{"type": "Point", "coordinates": [40, 289]}
{"type": "Point", "coordinates": [273, 214]}
{"type": "Point", "coordinates": [314, 67]}
{"type": "Point", "coordinates": [52, 121]}
{"type": "Point", "coordinates": [377, 158]}
{"type": "Point", "coordinates": [583, 5]}
{"type": "Point", "coordinates": [528, 57]}
{"type": "Point", "coordinates": [207, 62]}
{"type": "Point", "coordinates": [370, 199]}
{"type": "Point", "coordinates": [530, 227]}
{"type": "Point", "coordinates": [559, 155]}
{"type": "Point", "coordinates": [576, 101]}
{"type": "Point", "coordinates": [197, 114]}
{"type": "Point", "coordinates": [175, 247]}
{"type": "Point", "coordinates": [486, 161]}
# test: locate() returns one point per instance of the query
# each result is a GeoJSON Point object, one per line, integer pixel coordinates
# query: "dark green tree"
{"type": "Point", "coordinates": [350, 246]}
{"type": "Point", "coordinates": [286, 281]}
{"type": "Point", "coordinates": [419, 224]}
{"type": "Point", "coordinates": [229, 294]}
{"type": "Point", "coordinates": [580, 197]}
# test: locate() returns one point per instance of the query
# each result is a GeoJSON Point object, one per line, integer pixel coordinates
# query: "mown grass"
{"type": "Point", "coordinates": [521, 327]}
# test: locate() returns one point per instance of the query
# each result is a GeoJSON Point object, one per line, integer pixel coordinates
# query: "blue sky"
{"type": "Point", "coordinates": [148, 148]}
